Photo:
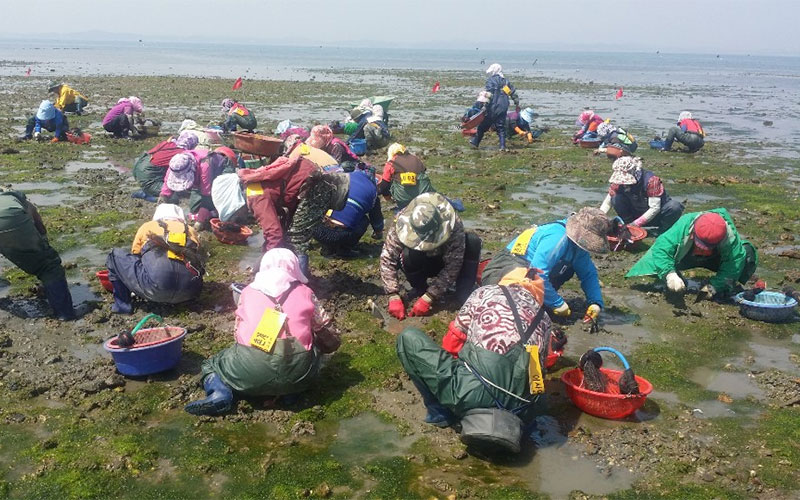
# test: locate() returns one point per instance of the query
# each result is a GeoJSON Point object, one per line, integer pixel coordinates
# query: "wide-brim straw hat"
{"type": "Point", "coordinates": [426, 223]}
{"type": "Point", "coordinates": [589, 229]}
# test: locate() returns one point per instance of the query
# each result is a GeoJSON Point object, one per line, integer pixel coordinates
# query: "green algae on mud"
{"type": "Point", "coordinates": [133, 441]}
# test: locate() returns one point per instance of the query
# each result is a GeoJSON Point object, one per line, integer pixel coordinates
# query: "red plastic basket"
{"type": "Point", "coordinates": [229, 237]}
{"type": "Point", "coordinates": [552, 358]}
{"type": "Point", "coordinates": [637, 235]}
{"type": "Point", "coordinates": [615, 152]}
{"type": "Point", "coordinates": [611, 404]}
{"type": "Point", "coordinates": [103, 277]}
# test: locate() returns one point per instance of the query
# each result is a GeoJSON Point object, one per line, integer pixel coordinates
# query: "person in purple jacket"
{"type": "Point", "coordinates": [120, 119]}
{"type": "Point", "coordinates": [342, 229]}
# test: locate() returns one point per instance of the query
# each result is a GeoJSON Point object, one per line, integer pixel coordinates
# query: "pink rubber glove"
{"type": "Point", "coordinates": [641, 221]}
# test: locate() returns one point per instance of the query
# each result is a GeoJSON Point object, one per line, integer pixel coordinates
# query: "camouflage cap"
{"type": "Point", "coordinates": [589, 229]}
{"type": "Point", "coordinates": [426, 223]}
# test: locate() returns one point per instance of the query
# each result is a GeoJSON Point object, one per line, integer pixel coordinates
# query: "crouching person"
{"type": "Point", "coordinates": [484, 363]}
{"type": "Point", "coordinates": [165, 263]}
{"type": "Point", "coordinates": [281, 333]}
{"type": "Point", "coordinates": [23, 241]}
{"type": "Point", "coordinates": [428, 242]}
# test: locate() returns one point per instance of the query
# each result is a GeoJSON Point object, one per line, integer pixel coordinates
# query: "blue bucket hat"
{"type": "Point", "coordinates": [527, 115]}
{"type": "Point", "coordinates": [46, 111]}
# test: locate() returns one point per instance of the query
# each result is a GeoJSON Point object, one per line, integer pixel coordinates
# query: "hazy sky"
{"type": "Point", "coordinates": [710, 26]}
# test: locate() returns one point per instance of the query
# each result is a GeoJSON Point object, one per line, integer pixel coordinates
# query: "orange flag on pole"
{"type": "Point", "coordinates": [619, 93]}
{"type": "Point", "coordinates": [237, 84]}
{"type": "Point", "coordinates": [435, 88]}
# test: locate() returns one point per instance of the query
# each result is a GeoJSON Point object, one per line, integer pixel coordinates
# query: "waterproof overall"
{"type": "Point", "coordinates": [150, 168]}
{"type": "Point", "coordinates": [688, 132]}
{"type": "Point", "coordinates": [419, 266]}
{"type": "Point", "coordinates": [631, 202]}
{"type": "Point", "coordinates": [405, 187]}
{"type": "Point", "coordinates": [496, 109]}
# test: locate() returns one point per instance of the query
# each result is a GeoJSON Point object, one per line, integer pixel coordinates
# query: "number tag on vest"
{"type": "Point", "coordinates": [254, 189]}
{"type": "Point", "coordinates": [408, 178]}
{"type": "Point", "coordinates": [521, 245]}
{"type": "Point", "coordinates": [268, 329]}
{"type": "Point", "coordinates": [305, 149]}
{"type": "Point", "coordinates": [507, 89]}
{"type": "Point", "coordinates": [535, 370]}
{"type": "Point", "coordinates": [240, 111]}
{"type": "Point", "coordinates": [178, 239]}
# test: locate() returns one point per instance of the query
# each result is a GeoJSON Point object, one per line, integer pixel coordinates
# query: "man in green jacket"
{"type": "Point", "coordinates": [700, 239]}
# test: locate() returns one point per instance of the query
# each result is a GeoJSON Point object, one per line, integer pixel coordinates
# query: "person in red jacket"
{"type": "Point", "coordinates": [688, 132]}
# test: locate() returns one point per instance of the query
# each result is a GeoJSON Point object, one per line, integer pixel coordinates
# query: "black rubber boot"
{"type": "Point", "coordinates": [60, 299]}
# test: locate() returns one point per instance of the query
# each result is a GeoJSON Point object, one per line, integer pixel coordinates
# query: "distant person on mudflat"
{"type": "Point", "coordinates": [588, 121]}
{"type": "Point", "coordinates": [47, 117]}
{"type": "Point", "coordinates": [520, 123]}
{"type": "Point", "coordinates": [639, 197]}
{"type": "Point", "coordinates": [611, 135]}
{"type": "Point", "coordinates": [322, 137]}
{"type": "Point", "coordinates": [497, 107]}
{"type": "Point", "coordinates": [121, 118]}
{"type": "Point", "coordinates": [150, 168]}
{"type": "Point", "coordinates": [237, 115]}
{"type": "Point", "coordinates": [688, 132]}
{"type": "Point", "coordinates": [68, 99]}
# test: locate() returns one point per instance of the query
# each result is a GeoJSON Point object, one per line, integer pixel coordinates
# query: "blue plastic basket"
{"type": "Point", "coordinates": [358, 146]}
{"type": "Point", "coordinates": [658, 144]}
{"type": "Point", "coordinates": [772, 307]}
{"type": "Point", "coordinates": [156, 349]}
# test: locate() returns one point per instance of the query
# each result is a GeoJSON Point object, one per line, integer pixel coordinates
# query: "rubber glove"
{"type": "Point", "coordinates": [675, 283]}
{"type": "Point", "coordinates": [530, 138]}
{"type": "Point", "coordinates": [37, 135]}
{"type": "Point", "coordinates": [397, 308]}
{"type": "Point", "coordinates": [562, 311]}
{"type": "Point", "coordinates": [422, 307]}
{"type": "Point", "coordinates": [641, 221]}
{"type": "Point", "coordinates": [592, 312]}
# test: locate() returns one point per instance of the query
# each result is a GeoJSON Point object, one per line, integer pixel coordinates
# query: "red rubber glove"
{"type": "Point", "coordinates": [397, 308]}
{"type": "Point", "coordinates": [453, 340]}
{"type": "Point", "coordinates": [422, 307]}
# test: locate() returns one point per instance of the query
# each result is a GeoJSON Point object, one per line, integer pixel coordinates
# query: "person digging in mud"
{"type": "Point", "coordinates": [493, 345]}
{"type": "Point", "coordinates": [191, 174]}
{"type": "Point", "coordinates": [520, 123]}
{"type": "Point", "coordinates": [371, 125]}
{"type": "Point", "coordinates": [68, 100]}
{"type": "Point", "coordinates": [322, 138]}
{"type": "Point", "coordinates": [611, 135]}
{"type": "Point", "coordinates": [639, 197]}
{"type": "Point", "coordinates": [428, 241]}
{"type": "Point", "coordinates": [497, 107]}
{"type": "Point", "coordinates": [559, 250]}
{"type": "Point", "coordinates": [404, 176]}
{"type": "Point", "coordinates": [47, 117]}
{"type": "Point", "coordinates": [165, 263]}
{"type": "Point", "coordinates": [281, 333]}
{"type": "Point", "coordinates": [237, 115]}
{"type": "Point", "coordinates": [23, 241]}
{"type": "Point", "coordinates": [295, 147]}
{"type": "Point", "coordinates": [150, 168]}
{"type": "Point", "coordinates": [687, 131]}
{"type": "Point", "coordinates": [588, 121]}
{"type": "Point", "coordinates": [121, 118]}
{"type": "Point", "coordinates": [342, 229]}
{"type": "Point", "coordinates": [292, 194]}
{"type": "Point", "coordinates": [701, 239]}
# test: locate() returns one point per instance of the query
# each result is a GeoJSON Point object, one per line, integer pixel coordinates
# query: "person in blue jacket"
{"type": "Point", "coordinates": [497, 107]}
{"type": "Point", "coordinates": [50, 118]}
{"type": "Point", "coordinates": [560, 250]}
{"type": "Point", "coordinates": [342, 229]}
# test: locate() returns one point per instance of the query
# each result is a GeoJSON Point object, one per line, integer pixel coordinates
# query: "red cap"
{"type": "Point", "coordinates": [709, 229]}
{"type": "Point", "coordinates": [227, 152]}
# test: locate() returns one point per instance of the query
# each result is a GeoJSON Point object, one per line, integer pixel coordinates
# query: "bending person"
{"type": "Point", "coordinates": [497, 107]}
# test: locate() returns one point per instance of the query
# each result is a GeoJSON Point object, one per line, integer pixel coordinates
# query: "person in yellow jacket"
{"type": "Point", "coordinates": [68, 99]}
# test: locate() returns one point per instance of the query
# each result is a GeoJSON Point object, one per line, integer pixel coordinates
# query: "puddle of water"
{"type": "Point", "coordinates": [736, 385]}
{"type": "Point", "coordinates": [365, 437]}
{"type": "Point", "coordinates": [252, 258]}
{"type": "Point", "coordinates": [669, 397]}
{"type": "Point", "coordinates": [90, 253]}
{"type": "Point", "coordinates": [796, 338]}
{"type": "Point", "coordinates": [77, 165]}
{"type": "Point", "coordinates": [766, 356]}
{"type": "Point", "coordinates": [54, 198]}
{"type": "Point", "coordinates": [581, 196]}
{"type": "Point", "coordinates": [777, 250]}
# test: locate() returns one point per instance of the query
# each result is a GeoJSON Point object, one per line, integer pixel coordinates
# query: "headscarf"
{"type": "Point", "coordinates": [495, 69]}
{"type": "Point", "coordinates": [321, 136]}
{"type": "Point", "coordinates": [180, 175]}
{"type": "Point", "coordinates": [136, 103]}
{"type": "Point", "coordinates": [605, 128]}
{"type": "Point", "coordinates": [227, 104]}
{"type": "Point", "coordinates": [395, 149]}
{"type": "Point", "coordinates": [187, 140]}
{"type": "Point", "coordinates": [685, 115]}
{"type": "Point", "coordinates": [46, 111]}
{"type": "Point", "coordinates": [584, 118]}
{"type": "Point", "coordinates": [167, 211]}
{"type": "Point", "coordinates": [627, 170]}
{"type": "Point", "coordinates": [377, 114]}
{"type": "Point", "coordinates": [278, 270]}
{"type": "Point", "coordinates": [527, 114]}
{"type": "Point", "coordinates": [290, 141]}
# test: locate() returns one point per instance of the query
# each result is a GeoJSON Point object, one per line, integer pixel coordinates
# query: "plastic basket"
{"type": "Point", "coordinates": [156, 350]}
{"type": "Point", "coordinates": [552, 358]}
{"type": "Point", "coordinates": [615, 152]}
{"type": "Point", "coordinates": [611, 404]}
{"type": "Point", "coordinates": [257, 144]}
{"type": "Point", "coordinates": [637, 235]}
{"type": "Point", "coordinates": [230, 237]}
{"type": "Point", "coordinates": [104, 281]}
{"type": "Point", "coordinates": [589, 143]}
{"type": "Point", "coordinates": [772, 307]}
{"type": "Point", "coordinates": [358, 146]}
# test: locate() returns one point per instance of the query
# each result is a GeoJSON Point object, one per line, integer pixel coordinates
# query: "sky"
{"type": "Point", "coordinates": [698, 26]}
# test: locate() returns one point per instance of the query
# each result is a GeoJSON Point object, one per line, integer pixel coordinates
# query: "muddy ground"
{"type": "Point", "coordinates": [723, 421]}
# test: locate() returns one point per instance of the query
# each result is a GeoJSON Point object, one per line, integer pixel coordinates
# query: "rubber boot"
{"type": "Point", "coordinates": [501, 135]}
{"type": "Point", "coordinates": [122, 298]}
{"type": "Point", "coordinates": [141, 195]}
{"type": "Point", "coordinates": [60, 299]}
{"type": "Point", "coordinates": [218, 400]}
{"type": "Point", "coordinates": [303, 260]}
{"type": "Point", "coordinates": [467, 276]}
{"type": "Point", "coordinates": [437, 414]}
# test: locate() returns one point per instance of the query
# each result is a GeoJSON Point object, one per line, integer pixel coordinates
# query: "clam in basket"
{"type": "Point", "coordinates": [154, 350]}
{"type": "Point", "coordinates": [772, 307]}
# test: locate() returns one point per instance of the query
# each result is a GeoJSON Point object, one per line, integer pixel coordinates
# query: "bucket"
{"type": "Point", "coordinates": [236, 290]}
{"type": "Point", "coordinates": [491, 430]}
{"type": "Point", "coordinates": [358, 146]}
{"type": "Point", "coordinates": [156, 349]}
{"type": "Point", "coordinates": [772, 307]}
{"type": "Point", "coordinates": [104, 281]}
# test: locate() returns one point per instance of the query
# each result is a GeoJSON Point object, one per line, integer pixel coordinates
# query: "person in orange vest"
{"type": "Point", "coordinates": [688, 132]}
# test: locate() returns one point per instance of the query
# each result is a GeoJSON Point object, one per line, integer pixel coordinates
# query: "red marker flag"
{"type": "Point", "coordinates": [28, 73]}
{"type": "Point", "coordinates": [435, 88]}
{"type": "Point", "coordinates": [237, 84]}
{"type": "Point", "coordinates": [619, 93]}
